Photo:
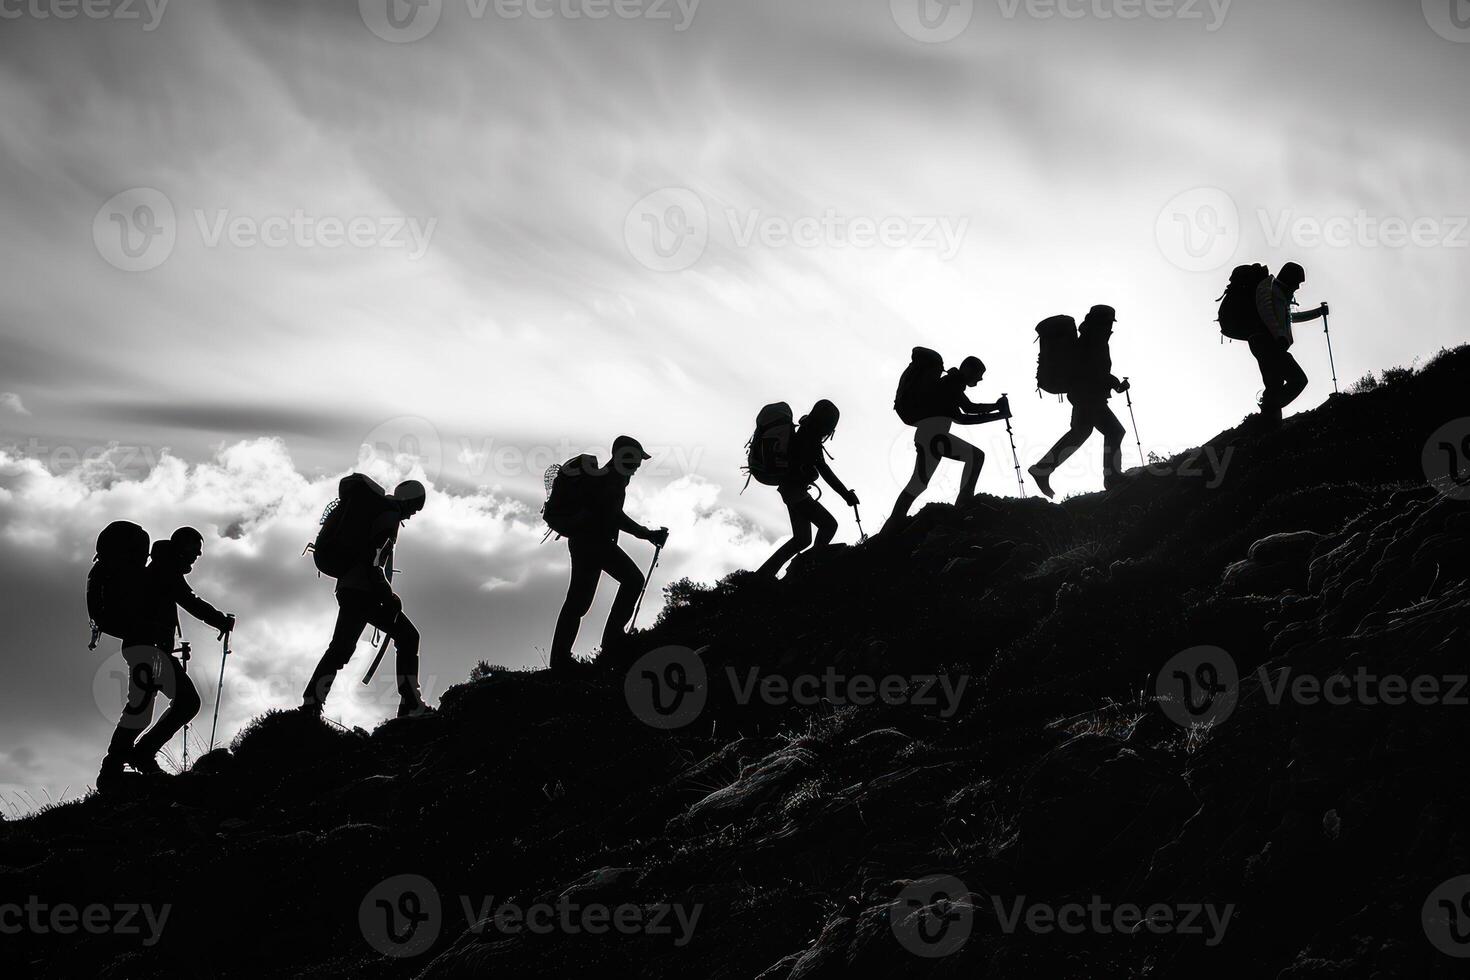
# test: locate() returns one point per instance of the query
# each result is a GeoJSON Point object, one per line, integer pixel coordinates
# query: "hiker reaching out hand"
{"type": "Point", "coordinates": [793, 469]}
{"type": "Point", "coordinates": [932, 400]}
{"type": "Point", "coordinates": [585, 506]}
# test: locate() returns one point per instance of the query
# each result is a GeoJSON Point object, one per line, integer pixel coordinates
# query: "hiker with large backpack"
{"type": "Point", "coordinates": [791, 456]}
{"type": "Point", "coordinates": [932, 400]}
{"type": "Point", "coordinates": [1282, 378]}
{"type": "Point", "coordinates": [354, 545]}
{"type": "Point", "coordinates": [585, 506]}
{"type": "Point", "coordinates": [1080, 365]}
{"type": "Point", "coordinates": [148, 634]}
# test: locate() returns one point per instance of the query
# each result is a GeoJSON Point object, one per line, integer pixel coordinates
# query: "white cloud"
{"type": "Point", "coordinates": [10, 401]}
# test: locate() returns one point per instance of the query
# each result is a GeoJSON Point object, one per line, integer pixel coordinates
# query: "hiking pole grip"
{"type": "Point", "coordinates": [382, 649]}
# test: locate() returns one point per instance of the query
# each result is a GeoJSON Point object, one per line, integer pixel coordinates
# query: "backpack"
{"type": "Point", "coordinates": [1239, 318]}
{"type": "Point", "coordinates": [115, 580]}
{"type": "Point", "coordinates": [569, 490]}
{"type": "Point", "coordinates": [1056, 361]}
{"type": "Point", "coordinates": [917, 386]}
{"type": "Point", "coordinates": [768, 453]}
{"type": "Point", "coordinates": [344, 535]}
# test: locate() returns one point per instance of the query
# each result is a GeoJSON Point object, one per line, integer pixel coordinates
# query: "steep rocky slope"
{"type": "Point", "coordinates": [1053, 769]}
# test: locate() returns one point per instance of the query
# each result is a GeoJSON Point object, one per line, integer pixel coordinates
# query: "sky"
{"type": "Point", "coordinates": [253, 246]}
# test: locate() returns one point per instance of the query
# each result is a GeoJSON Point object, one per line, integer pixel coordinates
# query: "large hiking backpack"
{"type": "Point", "coordinates": [344, 537]}
{"type": "Point", "coordinates": [768, 453]}
{"type": "Point", "coordinates": [1240, 319]}
{"type": "Point", "coordinates": [569, 490]}
{"type": "Point", "coordinates": [1056, 361]}
{"type": "Point", "coordinates": [918, 386]}
{"type": "Point", "coordinates": [115, 580]}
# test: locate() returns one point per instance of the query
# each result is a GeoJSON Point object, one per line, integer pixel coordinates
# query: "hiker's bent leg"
{"type": "Point", "coordinates": [926, 461]}
{"type": "Point", "coordinates": [801, 533]}
{"type": "Point", "coordinates": [1293, 378]}
{"type": "Point", "coordinates": [1069, 443]}
{"type": "Point", "coordinates": [183, 705]}
{"type": "Point", "coordinates": [973, 458]}
{"type": "Point", "coordinates": [1112, 432]}
{"type": "Point", "coordinates": [352, 616]}
{"type": "Point", "coordinates": [586, 570]}
{"type": "Point", "coordinates": [1264, 349]}
{"type": "Point", "coordinates": [824, 522]}
{"type": "Point", "coordinates": [617, 563]}
{"type": "Point", "coordinates": [405, 636]}
{"type": "Point", "coordinates": [144, 665]}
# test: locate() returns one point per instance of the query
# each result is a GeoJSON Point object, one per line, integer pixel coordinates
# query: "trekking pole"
{"type": "Point", "coordinates": [646, 579]}
{"type": "Point", "coordinates": [1330, 360]}
{"type": "Point", "coordinates": [219, 691]}
{"type": "Point", "coordinates": [387, 638]}
{"type": "Point", "coordinates": [1011, 434]}
{"type": "Point", "coordinates": [857, 516]}
{"type": "Point", "coordinates": [1128, 394]}
{"type": "Point", "coordinates": [184, 657]}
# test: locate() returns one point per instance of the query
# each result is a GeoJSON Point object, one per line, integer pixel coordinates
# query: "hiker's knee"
{"type": "Point", "coordinates": [186, 696]}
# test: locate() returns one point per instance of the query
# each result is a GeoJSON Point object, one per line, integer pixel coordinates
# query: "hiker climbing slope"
{"type": "Point", "coordinates": [1282, 377]}
{"type": "Point", "coordinates": [355, 546]}
{"type": "Point", "coordinates": [585, 506]}
{"type": "Point", "coordinates": [791, 457]}
{"type": "Point", "coordinates": [932, 400]}
{"type": "Point", "coordinates": [148, 650]}
{"type": "Point", "coordinates": [1089, 384]}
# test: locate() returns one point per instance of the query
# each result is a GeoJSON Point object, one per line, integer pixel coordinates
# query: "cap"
{"type": "Point", "coordinates": [1292, 272]}
{"type": "Point", "coordinates": [628, 442]}
{"type": "Point", "coordinates": [1102, 312]}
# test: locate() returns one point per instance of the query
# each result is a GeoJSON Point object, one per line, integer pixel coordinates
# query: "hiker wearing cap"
{"type": "Point", "coordinates": [806, 461]}
{"type": "Point", "coordinates": [944, 403]}
{"type": "Point", "coordinates": [369, 521]}
{"type": "Point", "coordinates": [586, 507]}
{"type": "Point", "coordinates": [1091, 386]}
{"type": "Point", "coordinates": [1281, 375]}
{"type": "Point", "coordinates": [152, 667]}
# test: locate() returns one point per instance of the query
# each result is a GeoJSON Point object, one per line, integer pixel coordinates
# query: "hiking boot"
{"type": "Point", "coordinates": [415, 709]}
{"type": "Point", "coordinates": [144, 762]}
{"type": "Point", "coordinates": [1112, 482]}
{"type": "Point", "coordinates": [311, 709]}
{"type": "Point", "coordinates": [1043, 481]}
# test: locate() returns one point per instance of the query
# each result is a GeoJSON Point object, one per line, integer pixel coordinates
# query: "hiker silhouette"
{"type": "Point", "coordinates": [932, 400]}
{"type": "Point", "coordinates": [152, 667]}
{"type": "Point", "coordinates": [1091, 384]}
{"type": "Point", "coordinates": [585, 506]}
{"type": "Point", "coordinates": [356, 545]}
{"type": "Point", "coordinates": [1281, 376]}
{"type": "Point", "coordinates": [800, 459]}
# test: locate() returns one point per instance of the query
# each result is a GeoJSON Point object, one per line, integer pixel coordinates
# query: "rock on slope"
{"type": "Point", "coordinates": [798, 834]}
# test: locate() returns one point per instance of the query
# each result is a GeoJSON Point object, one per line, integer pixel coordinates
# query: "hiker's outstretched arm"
{"type": "Point", "coordinates": [630, 526]}
{"type": "Point", "coordinates": [825, 472]}
{"type": "Point", "coordinates": [1306, 316]}
{"type": "Point", "coordinates": [201, 610]}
